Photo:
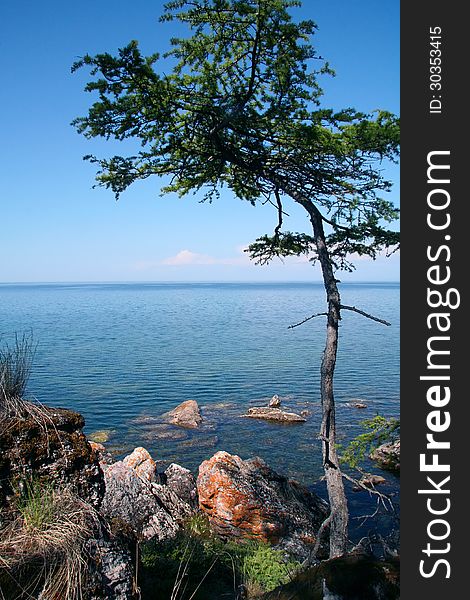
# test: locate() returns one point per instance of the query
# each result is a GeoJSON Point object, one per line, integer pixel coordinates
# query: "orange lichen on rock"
{"type": "Point", "coordinates": [247, 499]}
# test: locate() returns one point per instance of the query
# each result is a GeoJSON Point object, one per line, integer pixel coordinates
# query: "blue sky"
{"type": "Point", "coordinates": [55, 227]}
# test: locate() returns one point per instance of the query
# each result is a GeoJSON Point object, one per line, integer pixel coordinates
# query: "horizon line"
{"type": "Point", "coordinates": [153, 282]}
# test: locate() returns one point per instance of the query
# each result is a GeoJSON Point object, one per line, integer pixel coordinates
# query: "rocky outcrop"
{"type": "Point", "coordinates": [248, 499]}
{"type": "Point", "coordinates": [350, 577]}
{"type": "Point", "coordinates": [387, 456]}
{"type": "Point", "coordinates": [274, 414]}
{"type": "Point", "coordinates": [49, 443]}
{"type": "Point", "coordinates": [275, 402]}
{"type": "Point", "coordinates": [152, 507]}
{"type": "Point", "coordinates": [187, 415]}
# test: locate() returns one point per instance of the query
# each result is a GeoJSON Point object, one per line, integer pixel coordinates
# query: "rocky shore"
{"type": "Point", "coordinates": [129, 502]}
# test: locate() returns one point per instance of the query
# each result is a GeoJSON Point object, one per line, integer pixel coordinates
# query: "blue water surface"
{"type": "Point", "coordinates": [123, 354]}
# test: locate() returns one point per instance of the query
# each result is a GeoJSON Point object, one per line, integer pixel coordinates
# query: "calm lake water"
{"type": "Point", "coordinates": [123, 354]}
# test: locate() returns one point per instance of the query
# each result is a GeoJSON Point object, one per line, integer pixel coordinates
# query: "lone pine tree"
{"type": "Point", "coordinates": [239, 105]}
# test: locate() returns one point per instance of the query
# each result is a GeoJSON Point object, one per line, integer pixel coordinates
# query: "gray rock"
{"type": "Point", "coordinates": [183, 483]}
{"type": "Point", "coordinates": [111, 569]}
{"type": "Point", "coordinates": [151, 510]}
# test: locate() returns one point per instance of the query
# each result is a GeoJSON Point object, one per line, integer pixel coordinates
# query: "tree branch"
{"type": "Point", "coordinates": [321, 531]}
{"type": "Point", "coordinates": [372, 490]}
{"type": "Point", "coordinates": [279, 216]}
{"type": "Point", "coordinates": [364, 314]}
{"type": "Point", "coordinates": [324, 314]}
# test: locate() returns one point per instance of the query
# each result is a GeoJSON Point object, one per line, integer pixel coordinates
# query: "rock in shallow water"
{"type": "Point", "coordinates": [248, 499]}
{"type": "Point", "coordinates": [187, 414]}
{"type": "Point", "coordinates": [388, 456]}
{"type": "Point", "coordinates": [274, 414]}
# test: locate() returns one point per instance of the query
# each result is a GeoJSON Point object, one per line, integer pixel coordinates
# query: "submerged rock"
{"type": "Point", "coordinates": [151, 509]}
{"type": "Point", "coordinates": [248, 499]}
{"type": "Point", "coordinates": [101, 436]}
{"type": "Point", "coordinates": [387, 456]}
{"type": "Point", "coordinates": [187, 414]}
{"type": "Point", "coordinates": [200, 442]}
{"type": "Point", "coordinates": [274, 414]}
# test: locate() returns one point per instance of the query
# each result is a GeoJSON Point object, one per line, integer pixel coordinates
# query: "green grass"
{"type": "Point", "coordinates": [210, 567]}
{"type": "Point", "coordinates": [36, 503]}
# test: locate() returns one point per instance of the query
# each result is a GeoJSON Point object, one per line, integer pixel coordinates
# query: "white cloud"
{"type": "Point", "coordinates": [186, 257]}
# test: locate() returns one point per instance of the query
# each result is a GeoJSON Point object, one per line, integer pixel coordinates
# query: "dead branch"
{"type": "Point", "coordinates": [321, 530]}
{"type": "Point", "coordinates": [324, 314]}
{"type": "Point", "coordinates": [364, 314]}
{"type": "Point", "coordinates": [383, 498]}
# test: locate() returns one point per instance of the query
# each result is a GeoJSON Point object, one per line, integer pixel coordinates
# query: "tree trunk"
{"type": "Point", "coordinates": [339, 514]}
{"type": "Point", "coordinates": [336, 494]}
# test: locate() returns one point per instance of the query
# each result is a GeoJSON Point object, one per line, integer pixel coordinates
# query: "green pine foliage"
{"type": "Point", "coordinates": [238, 104]}
{"type": "Point", "coordinates": [379, 430]}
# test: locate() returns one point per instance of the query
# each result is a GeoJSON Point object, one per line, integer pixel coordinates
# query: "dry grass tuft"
{"type": "Point", "coordinates": [43, 551]}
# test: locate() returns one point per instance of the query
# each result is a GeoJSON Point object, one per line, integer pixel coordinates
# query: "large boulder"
{"type": "Point", "coordinates": [248, 499]}
{"type": "Point", "coordinates": [152, 507]}
{"type": "Point", "coordinates": [387, 456]}
{"type": "Point", "coordinates": [48, 443]}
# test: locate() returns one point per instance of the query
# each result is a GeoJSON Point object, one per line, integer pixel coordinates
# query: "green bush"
{"type": "Point", "coordinates": [264, 568]}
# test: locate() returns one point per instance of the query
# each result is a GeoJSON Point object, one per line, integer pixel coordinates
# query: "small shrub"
{"type": "Point", "coordinates": [204, 561]}
{"type": "Point", "coordinates": [263, 568]}
{"type": "Point", "coordinates": [198, 525]}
